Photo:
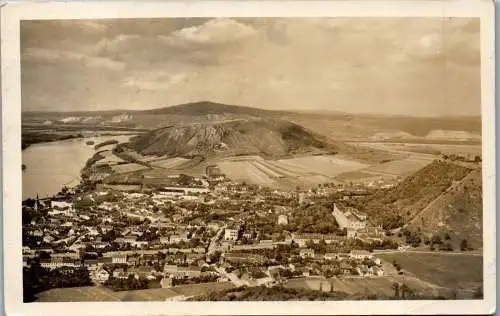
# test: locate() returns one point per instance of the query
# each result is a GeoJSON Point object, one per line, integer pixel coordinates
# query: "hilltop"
{"type": "Point", "coordinates": [211, 108]}
{"type": "Point", "coordinates": [271, 138]}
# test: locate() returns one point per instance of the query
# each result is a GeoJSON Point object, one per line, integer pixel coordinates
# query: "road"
{"type": "Point", "coordinates": [451, 253]}
{"type": "Point", "coordinates": [236, 281]}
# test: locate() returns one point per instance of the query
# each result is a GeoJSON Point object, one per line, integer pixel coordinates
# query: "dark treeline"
{"type": "Point", "coordinates": [28, 139]}
{"type": "Point", "coordinates": [37, 279]}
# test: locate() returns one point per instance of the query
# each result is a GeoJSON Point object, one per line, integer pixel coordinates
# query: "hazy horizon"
{"type": "Point", "coordinates": [312, 111]}
{"type": "Point", "coordinates": [418, 67]}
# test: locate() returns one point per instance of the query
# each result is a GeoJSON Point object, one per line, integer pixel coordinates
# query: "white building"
{"type": "Point", "coordinates": [282, 220]}
{"type": "Point", "coordinates": [60, 204]}
{"type": "Point", "coordinates": [231, 234]}
{"type": "Point", "coordinates": [378, 271]}
{"type": "Point", "coordinates": [101, 275]}
{"type": "Point", "coordinates": [307, 253]}
{"type": "Point", "coordinates": [350, 219]}
{"type": "Point", "coordinates": [120, 258]}
{"type": "Point", "coordinates": [177, 191]}
{"type": "Point", "coordinates": [360, 254]}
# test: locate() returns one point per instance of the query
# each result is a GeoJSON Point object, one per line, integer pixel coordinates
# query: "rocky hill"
{"type": "Point", "coordinates": [442, 197]}
{"type": "Point", "coordinates": [458, 211]}
{"type": "Point", "coordinates": [270, 138]}
{"type": "Point", "coordinates": [202, 108]}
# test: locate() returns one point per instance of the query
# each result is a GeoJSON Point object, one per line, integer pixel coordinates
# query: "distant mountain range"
{"type": "Point", "coordinates": [328, 123]}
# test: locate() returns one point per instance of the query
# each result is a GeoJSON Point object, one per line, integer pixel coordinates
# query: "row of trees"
{"type": "Point", "coordinates": [130, 283]}
{"type": "Point", "coordinates": [201, 279]}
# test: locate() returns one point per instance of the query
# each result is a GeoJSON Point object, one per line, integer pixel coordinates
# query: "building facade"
{"type": "Point", "coordinates": [349, 219]}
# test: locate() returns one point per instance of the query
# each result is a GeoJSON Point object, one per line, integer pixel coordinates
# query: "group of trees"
{"type": "Point", "coordinates": [313, 219]}
{"type": "Point", "coordinates": [29, 138]}
{"type": "Point", "coordinates": [37, 279]}
{"type": "Point", "coordinates": [130, 283]}
{"type": "Point", "coordinates": [403, 291]}
{"type": "Point", "coordinates": [442, 244]}
{"type": "Point", "coordinates": [412, 238]}
{"type": "Point", "coordinates": [456, 157]}
{"type": "Point", "coordinates": [201, 279]}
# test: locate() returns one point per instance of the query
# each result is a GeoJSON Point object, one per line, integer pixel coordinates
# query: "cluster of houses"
{"type": "Point", "coordinates": [74, 230]}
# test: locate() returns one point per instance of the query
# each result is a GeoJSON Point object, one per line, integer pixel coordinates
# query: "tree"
{"type": "Point", "coordinates": [395, 287]}
{"type": "Point", "coordinates": [83, 204]}
{"type": "Point", "coordinates": [406, 291]}
{"type": "Point", "coordinates": [464, 245]}
{"type": "Point", "coordinates": [44, 255]}
{"type": "Point", "coordinates": [431, 246]}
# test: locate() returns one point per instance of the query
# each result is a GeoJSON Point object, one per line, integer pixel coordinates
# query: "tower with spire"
{"type": "Point", "coordinates": [37, 203]}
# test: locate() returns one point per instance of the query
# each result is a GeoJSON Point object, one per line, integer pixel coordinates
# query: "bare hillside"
{"type": "Point", "coordinates": [457, 211]}
{"type": "Point", "coordinates": [267, 137]}
{"type": "Point", "coordinates": [410, 200]}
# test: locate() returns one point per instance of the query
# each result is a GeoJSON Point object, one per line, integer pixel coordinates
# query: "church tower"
{"type": "Point", "coordinates": [37, 203]}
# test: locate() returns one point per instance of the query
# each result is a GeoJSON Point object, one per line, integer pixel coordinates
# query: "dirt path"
{"type": "Point", "coordinates": [451, 253]}
{"type": "Point", "coordinates": [436, 200]}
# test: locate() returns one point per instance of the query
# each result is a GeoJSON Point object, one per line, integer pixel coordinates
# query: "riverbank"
{"type": "Point", "coordinates": [50, 166]}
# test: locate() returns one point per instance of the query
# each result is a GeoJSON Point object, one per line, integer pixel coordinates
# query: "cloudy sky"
{"type": "Point", "coordinates": [410, 66]}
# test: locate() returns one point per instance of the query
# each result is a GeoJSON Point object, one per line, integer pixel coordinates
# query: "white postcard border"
{"type": "Point", "coordinates": [12, 14]}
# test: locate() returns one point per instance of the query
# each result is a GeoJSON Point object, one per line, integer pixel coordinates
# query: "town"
{"type": "Point", "coordinates": [202, 230]}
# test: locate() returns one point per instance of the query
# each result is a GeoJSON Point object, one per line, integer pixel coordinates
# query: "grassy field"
{"type": "Point", "coordinates": [381, 286]}
{"type": "Point", "coordinates": [401, 168]}
{"type": "Point", "coordinates": [98, 293]}
{"type": "Point", "coordinates": [451, 271]}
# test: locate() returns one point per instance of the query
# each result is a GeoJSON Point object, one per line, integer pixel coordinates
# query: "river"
{"type": "Point", "coordinates": [50, 166]}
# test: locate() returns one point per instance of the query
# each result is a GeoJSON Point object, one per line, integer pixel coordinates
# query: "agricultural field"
{"type": "Point", "coordinates": [245, 171]}
{"type": "Point", "coordinates": [109, 158]}
{"type": "Point", "coordinates": [435, 149]}
{"type": "Point", "coordinates": [310, 169]}
{"type": "Point", "coordinates": [399, 168]}
{"type": "Point", "coordinates": [324, 165]}
{"type": "Point", "coordinates": [170, 163]}
{"type": "Point", "coordinates": [452, 271]}
{"type": "Point", "coordinates": [129, 167]}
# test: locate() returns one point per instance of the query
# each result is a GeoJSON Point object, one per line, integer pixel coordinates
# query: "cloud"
{"type": "Point", "coordinates": [158, 81]}
{"type": "Point", "coordinates": [216, 31]}
{"type": "Point", "coordinates": [51, 56]}
{"type": "Point", "coordinates": [209, 43]}
{"type": "Point", "coordinates": [274, 62]}
{"type": "Point", "coordinates": [427, 47]}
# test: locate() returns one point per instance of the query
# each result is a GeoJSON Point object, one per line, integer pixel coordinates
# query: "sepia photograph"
{"type": "Point", "coordinates": [252, 159]}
